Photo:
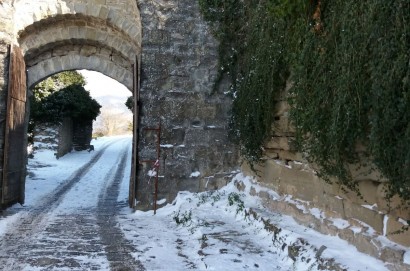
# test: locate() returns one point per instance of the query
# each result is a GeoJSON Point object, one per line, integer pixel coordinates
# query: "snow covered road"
{"type": "Point", "coordinates": [76, 218]}
{"type": "Point", "coordinates": [73, 226]}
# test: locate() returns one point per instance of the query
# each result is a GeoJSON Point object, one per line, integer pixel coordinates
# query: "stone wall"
{"type": "Point", "coordinates": [58, 35]}
{"type": "Point", "coordinates": [369, 220]}
{"type": "Point", "coordinates": [179, 65]}
{"type": "Point", "coordinates": [57, 137]}
{"type": "Point", "coordinates": [7, 26]}
{"type": "Point", "coordinates": [46, 136]}
{"type": "Point", "coordinates": [65, 137]}
{"type": "Point", "coordinates": [82, 135]}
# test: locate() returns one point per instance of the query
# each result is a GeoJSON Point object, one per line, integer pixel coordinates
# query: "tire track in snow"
{"type": "Point", "coordinates": [117, 248]}
{"type": "Point", "coordinates": [34, 221]}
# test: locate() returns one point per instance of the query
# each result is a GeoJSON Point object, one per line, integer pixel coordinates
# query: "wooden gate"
{"type": "Point", "coordinates": [15, 143]}
{"type": "Point", "coordinates": [135, 161]}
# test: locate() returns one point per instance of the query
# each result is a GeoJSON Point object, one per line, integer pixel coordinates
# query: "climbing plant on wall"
{"type": "Point", "coordinates": [252, 51]}
{"type": "Point", "coordinates": [350, 68]}
{"type": "Point", "coordinates": [352, 85]}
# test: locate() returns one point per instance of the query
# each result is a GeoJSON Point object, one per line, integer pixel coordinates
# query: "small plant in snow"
{"type": "Point", "coordinates": [217, 196]}
{"type": "Point", "coordinates": [184, 219]}
{"type": "Point", "coordinates": [209, 195]}
{"type": "Point", "coordinates": [235, 199]}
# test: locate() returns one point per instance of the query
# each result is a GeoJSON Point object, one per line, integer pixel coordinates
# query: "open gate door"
{"type": "Point", "coordinates": [135, 162]}
{"type": "Point", "coordinates": [15, 145]}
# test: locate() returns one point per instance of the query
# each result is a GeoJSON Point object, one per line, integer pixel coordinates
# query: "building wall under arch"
{"type": "Point", "coordinates": [58, 35]}
{"type": "Point", "coordinates": [179, 64]}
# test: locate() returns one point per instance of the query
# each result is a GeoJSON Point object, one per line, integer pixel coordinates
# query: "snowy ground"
{"type": "Point", "coordinates": [206, 231]}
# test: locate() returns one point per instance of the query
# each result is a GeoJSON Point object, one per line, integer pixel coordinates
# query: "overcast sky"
{"type": "Point", "coordinates": [101, 85]}
{"type": "Point", "coordinates": [110, 94]}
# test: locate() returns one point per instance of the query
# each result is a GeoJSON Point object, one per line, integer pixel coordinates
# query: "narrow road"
{"type": "Point", "coordinates": [74, 227]}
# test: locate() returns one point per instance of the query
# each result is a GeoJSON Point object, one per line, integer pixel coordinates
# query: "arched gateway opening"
{"type": "Point", "coordinates": [53, 36]}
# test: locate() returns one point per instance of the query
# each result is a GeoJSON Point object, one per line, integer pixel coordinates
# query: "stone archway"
{"type": "Point", "coordinates": [65, 35]}
{"type": "Point", "coordinates": [179, 66]}
{"type": "Point", "coordinates": [59, 35]}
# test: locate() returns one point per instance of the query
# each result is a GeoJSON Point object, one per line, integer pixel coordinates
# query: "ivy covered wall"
{"type": "Point", "coordinates": [346, 64]}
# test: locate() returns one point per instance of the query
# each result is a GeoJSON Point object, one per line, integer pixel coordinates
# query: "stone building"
{"type": "Point", "coordinates": [175, 60]}
{"type": "Point", "coordinates": [63, 137]}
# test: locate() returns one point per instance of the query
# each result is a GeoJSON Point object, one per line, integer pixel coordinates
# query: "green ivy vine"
{"type": "Point", "coordinates": [349, 62]}
{"type": "Point", "coordinates": [253, 54]}
{"type": "Point", "coordinates": [351, 86]}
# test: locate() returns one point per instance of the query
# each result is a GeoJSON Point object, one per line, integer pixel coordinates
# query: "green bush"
{"type": "Point", "coordinates": [63, 95]}
{"type": "Point", "coordinates": [72, 101]}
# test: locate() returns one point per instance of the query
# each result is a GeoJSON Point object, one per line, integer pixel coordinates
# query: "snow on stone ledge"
{"type": "Point", "coordinates": [167, 146]}
{"type": "Point", "coordinates": [406, 257]}
{"type": "Point", "coordinates": [195, 174]}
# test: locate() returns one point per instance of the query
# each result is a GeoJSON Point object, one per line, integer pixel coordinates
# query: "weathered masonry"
{"type": "Point", "coordinates": [41, 38]}
{"type": "Point", "coordinates": [368, 221]}
{"type": "Point", "coordinates": [161, 50]}
{"type": "Point", "coordinates": [179, 66]}
{"type": "Point", "coordinates": [164, 53]}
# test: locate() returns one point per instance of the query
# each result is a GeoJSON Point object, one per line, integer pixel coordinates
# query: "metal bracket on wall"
{"type": "Point", "coordinates": [155, 163]}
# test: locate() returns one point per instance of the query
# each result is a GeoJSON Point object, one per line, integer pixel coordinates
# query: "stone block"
{"type": "Point", "coordinates": [368, 191]}
{"type": "Point", "coordinates": [281, 108]}
{"type": "Point", "coordinates": [177, 136]}
{"type": "Point", "coordinates": [88, 50]}
{"type": "Point", "coordinates": [391, 255]}
{"type": "Point", "coordinates": [290, 155]}
{"type": "Point", "coordinates": [211, 183]}
{"type": "Point", "coordinates": [368, 216]}
{"type": "Point", "coordinates": [247, 169]}
{"type": "Point", "coordinates": [394, 206]}
{"type": "Point", "coordinates": [282, 127]}
{"type": "Point", "coordinates": [207, 113]}
{"type": "Point", "coordinates": [331, 203]}
{"type": "Point", "coordinates": [231, 158]}
{"type": "Point", "coordinates": [190, 184]}
{"type": "Point", "coordinates": [348, 194]}
{"type": "Point", "coordinates": [395, 231]}
{"type": "Point", "coordinates": [104, 12]}
{"type": "Point", "coordinates": [332, 188]}
{"type": "Point", "coordinates": [367, 244]}
{"type": "Point", "coordinates": [197, 137]}
{"type": "Point", "coordinates": [270, 154]}
{"type": "Point", "coordinates": [365, 172]}
{"type": "Point", "coordinates": [282, 143]}
{"type": "Point", "coordinates": [302, 184]}
{"type": "Point", "coordinates": [297, 165]}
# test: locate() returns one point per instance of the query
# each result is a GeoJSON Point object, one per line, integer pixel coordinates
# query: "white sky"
{"type": "Point", "coordinates": [101, 85]}
{"type": "Point", "coordinates": [108, 92]}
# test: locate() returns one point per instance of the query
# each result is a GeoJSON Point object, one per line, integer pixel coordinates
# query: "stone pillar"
{"type": "Point", "coordinates": [65, 137]}
{"type": "Point", "coordinates": [82, 134]}
{"type": "Point", "coordinates": [179, 65]}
